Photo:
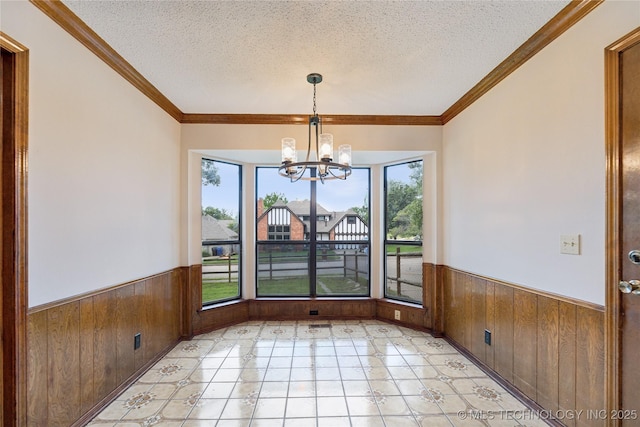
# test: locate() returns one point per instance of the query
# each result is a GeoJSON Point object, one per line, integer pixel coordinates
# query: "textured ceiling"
{"type": "Point", "coordinates": [377, 57]}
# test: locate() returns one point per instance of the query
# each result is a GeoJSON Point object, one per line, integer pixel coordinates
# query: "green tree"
{"type": "Point", "coordinates": [210, 174]}
{"type": "Point", "coordinates": [362, 211]}
{"type": "Point", "coordinates": [399, 196]}
{"type": "Point", "coordinates": [217, 213]}
{"type": "Point", "coordinates": [271, 198]}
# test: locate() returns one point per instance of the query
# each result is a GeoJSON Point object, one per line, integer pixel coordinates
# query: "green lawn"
{"type": "Point", "coordinates": [300, 286]}
{"type": "Point", "coordinates": [404, 249]}
{"type": "Point", "coordinates": [220, 261]}
{"type": "Point", "coordinates": [217, 290]}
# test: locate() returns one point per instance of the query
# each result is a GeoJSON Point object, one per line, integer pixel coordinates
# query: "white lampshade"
{"type": "Point", "coordinates": [325, 146]}
{"type": "Point", "coordinates": [344, 155]}
{"type": "Point", "coordinates": [289, 150]}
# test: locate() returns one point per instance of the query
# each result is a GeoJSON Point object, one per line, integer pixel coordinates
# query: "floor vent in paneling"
{"type": "Point", "coordinates": [322, 325]}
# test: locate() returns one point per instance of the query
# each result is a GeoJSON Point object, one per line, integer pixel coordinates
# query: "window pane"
{"type": "Point", "coordinates": [283, 269]}
{"type": "Point", "coordinates": [403, 232]}
{"type": "Point", "coordinates": [403, 195]}
{"type": "Point", "coordinates": [220, 231]}
{"type": "Point", "coordinates": [404, 272]}
{"type": "Point", "coordinates": [285, 213]}
{"type": "Point", "coordinates": [349, 199]}
{"type": "Point", "coordinates": [282, 206]}
{"type": "Point", "coordinates": [342, 269]}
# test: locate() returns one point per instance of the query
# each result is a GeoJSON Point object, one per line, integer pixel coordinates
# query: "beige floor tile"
{"type": "Point", "coordinates": [299, 422]}
{"type": "Point", "coordinates": [393, 405]}
{"type": "Point", "coordinates": [362, 406]}
{"type": "Point", "coordinates": [270, 407]}
{"type": "Point", "coordinates": [400, 421]}
{"type": "Point", "coordinates": [301, 407]}
{"type": "Point", "coordinates": [208, 409]}
{"type": "Point", "coordinates": [218, 390]}
{"type": "Point", "coordinates": [237, 408]}
{"type": "Point", "coordinates": [342, 421]}
{"type": "Point", "coordinates": [332, 406]}
{"type": "Point", "coordinates": [301, 389]}
{"type": "Point", "coordinates": [279, 373]}
{"type": "Point", "coordinates": [367, 421]}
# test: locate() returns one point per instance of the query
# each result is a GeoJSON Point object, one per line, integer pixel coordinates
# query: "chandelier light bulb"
{"type": "Point", "coordinates": [289, 150]}
{"type": "Point", "coordinates": [326, 146]}
{"type": "Point", "coordinates": [344, 155]}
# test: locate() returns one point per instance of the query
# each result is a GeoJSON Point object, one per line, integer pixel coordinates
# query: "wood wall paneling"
{"type": "Point", "coordinates": [590, 364]}
{"type": "Point", "coordinates": [502, 336]}
{"type": "Point", "coordinates": [37, 369]}
{"type": "Point", "coordinates": [478, 318]}
{"type": "Point", "coordinates": [490, 321]}
{"type": "Point", "coordinates": [81, 352]}
{"type": "Point", "coordinates": [104, 351]}
{"type": "Point", "coordinates": [525, 309]}
{"type": "Point", "coordinates": [567, 358]}
{"type": "Point", "coordinates": [142, 355]}
{"type": "Point", "coordinates": [87, 347]}
{"type": "Point", "coordinates": [547, 369]}
{"type": "Point", "coordinates": [548, 347]}
{"type": "Point", "coordinates": [125, 330]}
{"type": "Point", "coordinates": [63, 369]}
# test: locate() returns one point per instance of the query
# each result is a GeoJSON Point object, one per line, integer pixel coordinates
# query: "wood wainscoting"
{"type": "Point", "coordinates": [549, 347]}
{"type": "Point", "coordinates": [81, 350]}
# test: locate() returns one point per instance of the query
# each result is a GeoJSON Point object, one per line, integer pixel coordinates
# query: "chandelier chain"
{"type": "Point", "coordinates": [314, 99]}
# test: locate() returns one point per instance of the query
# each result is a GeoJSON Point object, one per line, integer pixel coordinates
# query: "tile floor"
{"type": "Point", "coordinates": [315, 374]}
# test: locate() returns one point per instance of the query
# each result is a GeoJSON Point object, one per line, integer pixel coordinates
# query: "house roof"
{"type": "Point", "coordinates": [214, 229]}
{"type": "Point", "coordinates": [302, 207]}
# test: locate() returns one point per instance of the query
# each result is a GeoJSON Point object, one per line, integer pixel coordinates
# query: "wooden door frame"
{"type": "Point", "coordinates": [14, 249]}
{"type": "Point", "coordinates": [614, 211]}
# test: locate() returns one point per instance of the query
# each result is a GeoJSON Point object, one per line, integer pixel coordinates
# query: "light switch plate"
{"type": "Point", "coordinates": [570, 244]}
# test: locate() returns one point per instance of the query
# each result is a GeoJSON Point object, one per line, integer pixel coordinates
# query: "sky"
{"type": "Point", "coordinates": [336, 195]}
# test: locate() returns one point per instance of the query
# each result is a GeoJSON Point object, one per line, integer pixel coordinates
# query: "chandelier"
{"type": "Point", "coordinates": [323, 168]}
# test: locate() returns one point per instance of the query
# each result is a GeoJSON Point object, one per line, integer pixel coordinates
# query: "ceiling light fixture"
{"type": "Point", "coordinates": [323, 168]}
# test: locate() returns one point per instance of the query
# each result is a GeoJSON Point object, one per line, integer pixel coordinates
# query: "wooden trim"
{"type": "Point", "coordinates": [70, 22]}
{"type": "Point", "coordinates": [565, 19]}
{"type": "Point", "coordinates": [14, 222]}
{"type": "Point", "coordinates": [302, 119]}
{"type": "Point", "coordinates": [614, 209]}
{"type": "Point", "coordinates": [539, 292]}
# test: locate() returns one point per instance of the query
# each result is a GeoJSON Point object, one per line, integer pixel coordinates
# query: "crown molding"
{"type": "Point", "coordinates": [303, 119]}
{"type": "Point", "coordinates": [565, 19]}
{"type": "Point", "coordinates": [70, 22]}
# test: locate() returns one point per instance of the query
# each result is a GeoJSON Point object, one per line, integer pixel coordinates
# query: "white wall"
{"type": "Point", "coordinates": [526, 163]}
{"type": "Point", "coordinates": [103, 180]}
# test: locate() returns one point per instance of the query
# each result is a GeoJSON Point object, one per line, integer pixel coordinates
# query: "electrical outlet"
{"type": "Point", "coordinates": [570, 244]}
{"type": "Point", "coordinates": [487, 336]}
{"type": "Point", "coordinates": [396, 315]}
{"type": "Point", "coordinates": [137, 341]}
